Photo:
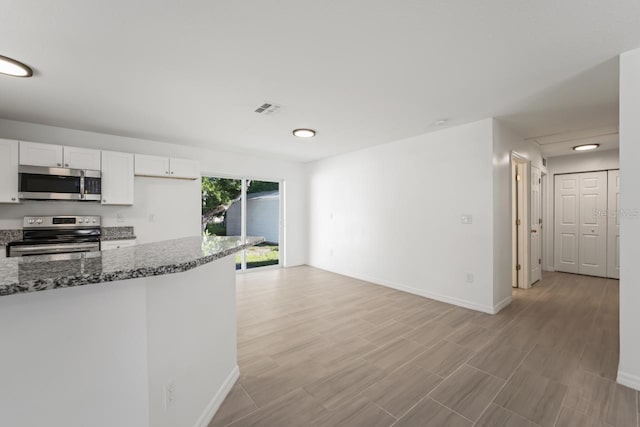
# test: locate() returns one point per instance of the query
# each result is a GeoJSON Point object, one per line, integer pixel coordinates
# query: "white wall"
{"type": "Point", "coordinates": [573, 163]}
{"type": "Point", "coordinates": [391, 214]}
{"type": "Point", "coordinates": [506, 141]}
{"type": "Point", "coordinates": [629, 368]}
{"type": "Point", "coordinates": [166, 209]}
{"type": "Point", "coordinates": [584, 162]}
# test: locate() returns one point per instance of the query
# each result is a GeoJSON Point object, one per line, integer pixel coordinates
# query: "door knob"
{"type": "Point", "coordinates": [534, 231]}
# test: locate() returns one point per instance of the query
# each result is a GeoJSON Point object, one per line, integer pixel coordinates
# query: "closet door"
{"type": "Point", "coordinates": [566, 223]}
{"type": "Point", "coordinates": [593, 224]}
{"type": "Point", "coordinates": [613, 229]}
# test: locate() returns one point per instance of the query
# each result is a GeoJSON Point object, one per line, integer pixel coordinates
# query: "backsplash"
{"type": "Point", "coordinates": [117, 233]}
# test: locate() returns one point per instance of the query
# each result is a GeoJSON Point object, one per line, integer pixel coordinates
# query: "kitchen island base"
{"type": "Point", "coordinates": [155, 351]}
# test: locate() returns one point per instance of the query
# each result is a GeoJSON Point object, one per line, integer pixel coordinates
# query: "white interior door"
{"type": "Point", "coordinates": [593, 224]}
{"type": "Point", "coordinates": [566, 223]}
{"type": "Point", "coordinates": [535, 262]}
{"type": "Point", "coordinates": [613, 220]}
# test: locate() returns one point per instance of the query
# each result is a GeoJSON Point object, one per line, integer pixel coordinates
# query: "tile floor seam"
{"type": "Point", "coordinates": [427, 396]}
{"type": "Point", "coordinates": [384, 410]}
{"type": "Point", "coordinates": [503, 386]}
{"type": "Point", "coordinates": [584, 349]}
{"type": "Point", "coordinates": [247, 393]}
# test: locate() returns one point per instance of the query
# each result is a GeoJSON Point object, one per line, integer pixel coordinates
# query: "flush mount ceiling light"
{"type": "Point", "coordinates": [440, 122]}
{"type": "Point", "coordinates": [586, 147]}
{"type": "Point", "coordinates": [14, 68]}
{"type": "Point", "coordinates": [304, 133]}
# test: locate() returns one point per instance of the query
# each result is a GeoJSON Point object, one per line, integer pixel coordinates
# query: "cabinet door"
{"type": "Point", "coordinates": [117, 178]}
{"type": "Point", "coordinates": [152, 165]}
{"type": "Point", "coordinates": [37, 154]}
{"type": "Point", "coordinates": [81, 158]}
{"type": "Point", "coordinates": [593, 224]}
{"type": "Point", "coordinates": [567, 222]}
{"type": "Point", "coordinates": [183, 168]}
{"type": "Point", "coordinates": [8, 171]}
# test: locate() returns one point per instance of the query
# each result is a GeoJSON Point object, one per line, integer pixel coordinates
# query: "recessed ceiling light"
{"type": "Point", "coordinates": [14, 68]}
{"type": "Point", "coordinates": [586, 147]}
{"type": "Point", "coordinates": [440, 122]}
{"type": "Point", "coordinates": [304, 133]}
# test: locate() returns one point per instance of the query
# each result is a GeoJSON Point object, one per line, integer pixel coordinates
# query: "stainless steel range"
{"type": "Point", "coordinates": [43, 235]}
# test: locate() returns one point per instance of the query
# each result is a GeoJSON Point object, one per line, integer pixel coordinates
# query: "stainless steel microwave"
{"type": "Point", "coordinates": [44, 183]}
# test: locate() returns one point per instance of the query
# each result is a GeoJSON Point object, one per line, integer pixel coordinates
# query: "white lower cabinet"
{"type": "Point", "coordinates": [117, 178]}
{"type": "Point", "coordinates": [116, 244]}
{"type": "Point", "coordinates": [9, 171]}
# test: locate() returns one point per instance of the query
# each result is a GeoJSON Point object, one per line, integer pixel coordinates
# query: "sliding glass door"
{"type": "Point", "coordinates": [263, 219]}
{"type": "Point", "coordinates": [244, 207]}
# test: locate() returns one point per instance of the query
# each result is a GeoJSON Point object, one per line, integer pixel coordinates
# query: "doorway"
{"type": "Point", "coordinates": [519, 221]}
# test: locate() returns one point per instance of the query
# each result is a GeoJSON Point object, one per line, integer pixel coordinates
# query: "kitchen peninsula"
{"type": "Point", "coordinates": [116, 338]}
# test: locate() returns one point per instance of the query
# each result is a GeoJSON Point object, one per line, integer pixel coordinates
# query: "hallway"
{"type": "Point", "coordinates": [320, 349]}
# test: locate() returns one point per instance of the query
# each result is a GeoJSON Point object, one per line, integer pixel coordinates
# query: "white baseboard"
{"type": "Point", "coordinates": [502, 304]}
{"type": "Point", "coordinates": [218, 398]}
{"type": "Point", "coordinates": [421, 292]}
{"type": "Point", "coordinates": [629, 380]}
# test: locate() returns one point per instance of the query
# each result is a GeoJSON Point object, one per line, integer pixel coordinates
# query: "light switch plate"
{"type": "Point", "coordinates": [466, 219]}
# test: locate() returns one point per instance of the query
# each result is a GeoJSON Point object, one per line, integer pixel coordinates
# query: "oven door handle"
{"type": "Point", "coordinates": [80, 247]}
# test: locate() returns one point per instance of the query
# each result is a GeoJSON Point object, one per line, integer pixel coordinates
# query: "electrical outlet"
{"type": "Point", "coordinates": [169, 394]}
{"type": "Point", "coordinates": [152, 217]}
{"type": "Point", "coordinates": [466, 219]}
{"type": "Point", "coordinates": [469, 278]}
{"type": "Point", "coordinates": [120, 218]}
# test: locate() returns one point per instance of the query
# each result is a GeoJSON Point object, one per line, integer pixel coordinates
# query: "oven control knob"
{"type": "Point", "coordinates": [31, 221]}
{"type": "Point", "coordinates": [94, 220]}
{"type": "Point", "coordinates": [87, 220]}
{"type": "Point", "coordinates": [80, 220]}
{"type": "Point", "coordinates": [39, 220]}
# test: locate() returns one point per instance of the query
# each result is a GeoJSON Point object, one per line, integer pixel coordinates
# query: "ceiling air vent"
{"type": "Point", "coordinates": [267, 108]}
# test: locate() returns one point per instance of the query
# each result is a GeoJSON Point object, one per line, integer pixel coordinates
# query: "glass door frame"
{"type": "Point", "coordinates": [243, 218]}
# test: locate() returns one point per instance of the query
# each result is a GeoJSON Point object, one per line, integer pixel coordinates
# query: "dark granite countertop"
{"type": "Point", "coordinates": [44, 272]}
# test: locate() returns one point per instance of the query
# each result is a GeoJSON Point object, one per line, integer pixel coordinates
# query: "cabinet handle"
{"type": "Point", "coordinates": [104, 200]}
{"type": "Point", "coordinates": [13, 199]}
{"type": "Point", "coordinates": [66, 165]}
{"type": "Point", "coordinates": [166, 172]}
{"type": "Point", "coordinates": [58, 164]}
{"type": "Point", "coordinates": [171, 172]}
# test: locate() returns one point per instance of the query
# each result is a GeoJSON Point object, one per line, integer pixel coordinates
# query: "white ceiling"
{"type": "Point", "coordinates": [361, 72]}
{"type": "Point", "coordinates": [561, 144]}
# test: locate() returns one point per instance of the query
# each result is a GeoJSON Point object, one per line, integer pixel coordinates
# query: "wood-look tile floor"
{"type": "Point", "coordinates": [319, 349]}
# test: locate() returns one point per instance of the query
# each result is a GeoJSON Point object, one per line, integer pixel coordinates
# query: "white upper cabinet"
{"type": "Point", "coordinates": [183, 168]}
{"type": "Point", "coordinates": [117, 178]}
{"type": "Point", "coordinates": [37, 154]}
{"type": "Point", "coordinates": [166, 167]}
{"type": "Point", "coordinates": [57, 156]}
{"type": "Point", "coordinates": [9, 171]}
{"type": "Point", "coordinates": [152, 165]}
{"type": "Point", "coordinates": [81, 158]}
